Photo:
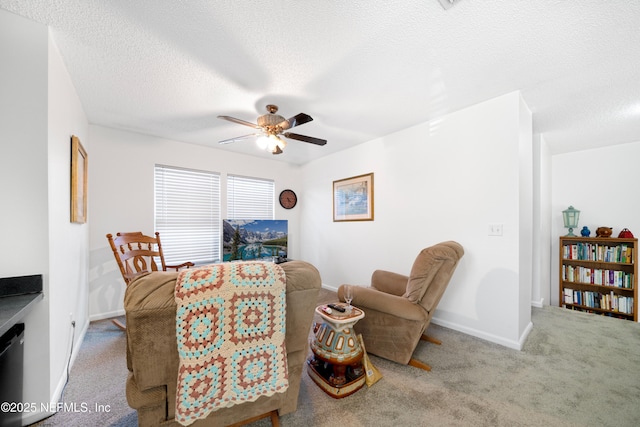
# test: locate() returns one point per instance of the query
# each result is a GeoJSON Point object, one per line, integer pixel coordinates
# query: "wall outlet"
{"type": "Point", "coordinates": [495, 229]}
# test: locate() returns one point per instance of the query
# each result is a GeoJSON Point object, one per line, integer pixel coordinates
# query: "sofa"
{"type": "Point", "coordinates": [152, 355]}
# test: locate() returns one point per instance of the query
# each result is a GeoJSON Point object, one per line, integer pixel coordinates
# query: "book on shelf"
{"type": "Point", "coordinates": [597, 276]}
{"type": "Point", "coordinates": [601, 300]}
{"type": "Point", "coordinates": [621, 253]}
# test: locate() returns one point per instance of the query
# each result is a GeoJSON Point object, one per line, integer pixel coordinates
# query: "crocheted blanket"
{"type": "Point", "coordinates": [230, 327]}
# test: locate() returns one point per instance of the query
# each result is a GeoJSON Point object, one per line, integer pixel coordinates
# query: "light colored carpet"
{"type": "Point", "coordinates": [576, 369]}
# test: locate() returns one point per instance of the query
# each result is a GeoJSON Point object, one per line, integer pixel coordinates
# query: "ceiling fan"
{"type": "Point", "coordinates": [271, 127]}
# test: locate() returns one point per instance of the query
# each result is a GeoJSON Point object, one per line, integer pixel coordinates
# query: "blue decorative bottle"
{"type": "Point", "coordinates": [585, 232]}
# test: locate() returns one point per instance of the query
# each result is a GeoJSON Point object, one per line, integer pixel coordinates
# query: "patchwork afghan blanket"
{"type": "Point", "coordinates": [230, 326]}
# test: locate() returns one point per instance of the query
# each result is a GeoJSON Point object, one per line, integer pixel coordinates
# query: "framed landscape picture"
{"type": "Point", "coordinates": [79, 163]}
{"type": "Point", "coordinates": [353, 198]}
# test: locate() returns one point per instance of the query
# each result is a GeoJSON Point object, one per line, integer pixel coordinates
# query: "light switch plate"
{"type": "Point", "coordinates": [495, 229]}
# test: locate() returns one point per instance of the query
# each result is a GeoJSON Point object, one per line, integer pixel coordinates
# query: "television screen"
{"type": "Point", "coordinates": [247, 239]}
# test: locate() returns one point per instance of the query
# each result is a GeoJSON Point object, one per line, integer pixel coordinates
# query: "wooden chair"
{"type": "Point", "coordinates": [136, 254]}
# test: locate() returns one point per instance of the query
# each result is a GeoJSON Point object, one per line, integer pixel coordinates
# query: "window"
{"type": "Point", "coordinates": [249, 198]}
{"type": "Point", "coordinates": [187, 214]}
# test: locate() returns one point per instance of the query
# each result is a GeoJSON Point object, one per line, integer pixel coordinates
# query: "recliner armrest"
{"type": "Point", "coordinates": [385, 303]}
{"type": "Point", "coordinates": [389, 282]}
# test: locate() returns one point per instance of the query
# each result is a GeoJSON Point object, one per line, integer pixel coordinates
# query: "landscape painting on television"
{"type": "Point", "coordinates": [246, 239]}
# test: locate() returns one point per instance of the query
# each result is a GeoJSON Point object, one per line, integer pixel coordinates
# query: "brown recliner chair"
{"type": "Point", "coordinates": [398, 308]}
{"type": "Point", "coordinates": [152, 354]}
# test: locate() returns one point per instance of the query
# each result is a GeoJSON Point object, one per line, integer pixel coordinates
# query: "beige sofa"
{"type": "Point", "coordinates": [152, 355]}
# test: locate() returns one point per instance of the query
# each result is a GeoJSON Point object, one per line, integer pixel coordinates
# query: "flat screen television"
{"type": "Point", "coordinates": [254, 239]}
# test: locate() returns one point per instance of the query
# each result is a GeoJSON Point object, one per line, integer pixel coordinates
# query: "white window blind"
{"type": "Point", "coordinates": [249, 198]}
{"type": "Point", "coordinates": [187, 214]}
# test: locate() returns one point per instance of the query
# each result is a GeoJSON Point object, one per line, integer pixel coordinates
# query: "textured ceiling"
{"type": "Point", "coordinates": [362, 69]}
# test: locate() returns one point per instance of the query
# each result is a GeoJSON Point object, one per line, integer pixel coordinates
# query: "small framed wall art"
{"type": "Point", "coordinates": [353, 198]}
{"type": "Point", "coordinates": [79, 164]}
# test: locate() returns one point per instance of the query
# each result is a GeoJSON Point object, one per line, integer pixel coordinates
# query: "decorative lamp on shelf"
{"type": "Point", "coordinates": [570, 217]}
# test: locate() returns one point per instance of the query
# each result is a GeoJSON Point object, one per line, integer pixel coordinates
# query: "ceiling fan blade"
{"type": "Point", "coordinates": [237, 138]}
{"type": "Point", "coordinates": [305, 138]}
{"type": "Point", "coordinates": [276, 150]}
{"type": "Point", "coordinates": [297, 120]}
{"type": "Point", "coordinates": [240, 122]}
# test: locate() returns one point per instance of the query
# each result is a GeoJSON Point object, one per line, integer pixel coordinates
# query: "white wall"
{"type": "Point", "coordinates": [601, 184]}
{"type": "Point", "coordinates": [39, 110]}
{"type": "Point", "coordinates": [68, 242]}
{"type": "Point", "coordinates": [541, 272]}
{"type": "Point", "coordinates": [443, 180]}
{"type": "Point", "coordinates": [525, 208]}
{"type": "Point", "coordinates": [121, 197]}
{"type": "Point", "coordinates": [23, 182]}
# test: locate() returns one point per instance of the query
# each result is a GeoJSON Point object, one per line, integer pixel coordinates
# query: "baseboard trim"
{"type": "Point", "coordinates": [525, 335]}
{"type": "Point", "coordinates": [330, 288]}
{"type": "Point", "coordinates": [108, 315]}
{"type": "Point", "coordinates": [516, 345]}
{"type": "Point", "coordinates": [538, 304]}
{"type": "Point", "coordinates": [34, 417]}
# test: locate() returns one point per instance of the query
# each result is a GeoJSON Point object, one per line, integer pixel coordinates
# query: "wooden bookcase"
{"type": "Point", "coordinates": [600, 275]}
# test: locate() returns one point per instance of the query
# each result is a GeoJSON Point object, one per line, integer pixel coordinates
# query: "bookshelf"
{"type": "Point", "coordinates": [600, 275]}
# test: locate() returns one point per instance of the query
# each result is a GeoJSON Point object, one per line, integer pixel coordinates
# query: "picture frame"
{"type": "Point", "coordinates": [79, 166]}
{"type": "Point", "coordinates": [353, 198]}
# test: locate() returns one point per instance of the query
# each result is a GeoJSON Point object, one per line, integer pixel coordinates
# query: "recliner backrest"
{"type": "Point", "coordinates": [431, 273]}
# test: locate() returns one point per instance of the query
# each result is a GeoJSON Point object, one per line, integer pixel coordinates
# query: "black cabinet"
{"type": "Point", "coordinates": [11, 370]}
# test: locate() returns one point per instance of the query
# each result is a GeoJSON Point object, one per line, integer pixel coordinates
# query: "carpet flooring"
{"type": "Point", "coordinates": [575, 369]}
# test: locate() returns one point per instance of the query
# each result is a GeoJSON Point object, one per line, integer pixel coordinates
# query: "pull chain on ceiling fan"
{"type": "Point", "coordinates": [271, 126]}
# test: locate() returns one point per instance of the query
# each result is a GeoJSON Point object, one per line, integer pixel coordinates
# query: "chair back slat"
{"type": "Point", "coordinates": [136, 253]}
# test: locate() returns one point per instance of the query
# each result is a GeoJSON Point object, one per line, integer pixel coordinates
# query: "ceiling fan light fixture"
{"type": "Point", "coordinates": [275, 144]}
{"type": "Point", "coordinates": [263, 142]}
{"type": "Point", "coordinates": [271, 126]}
{"type": "Point", "coordinates": [280, 142]}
